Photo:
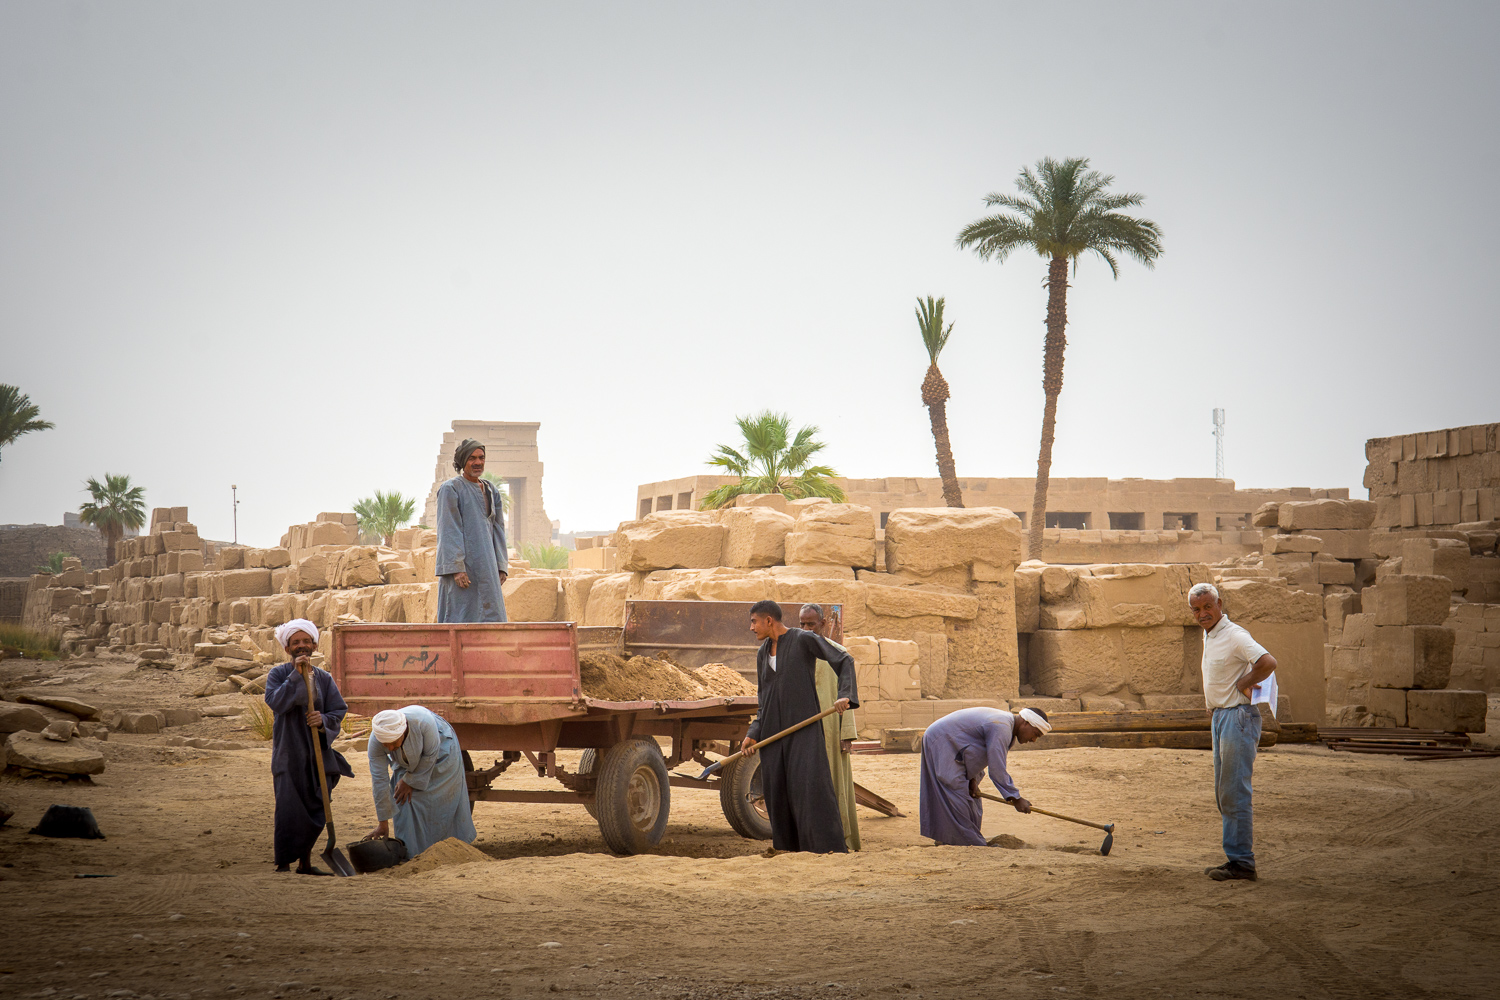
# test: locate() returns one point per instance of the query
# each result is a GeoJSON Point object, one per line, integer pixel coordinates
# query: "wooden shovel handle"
{"type": "Point", "coordinates": [1107, 828]}
{"type": "Point", "coordinates": [789, 730]}
{"type": "Point", "coordinates": [317, 746]}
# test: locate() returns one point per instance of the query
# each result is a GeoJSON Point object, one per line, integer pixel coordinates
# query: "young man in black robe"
{"type": "Point", "coordinates": [803, 808]}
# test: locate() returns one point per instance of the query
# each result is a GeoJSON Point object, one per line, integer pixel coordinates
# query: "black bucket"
{"type": "Point", "coordinates": [376, 853]}
{"type": "Point", "coordinates": [68, 821]}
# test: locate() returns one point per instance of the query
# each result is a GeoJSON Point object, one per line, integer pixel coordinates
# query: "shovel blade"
{"type": "Point", "coordinates": [1109, 842]}
{"type": "Point", "coordinates": [337, 863]}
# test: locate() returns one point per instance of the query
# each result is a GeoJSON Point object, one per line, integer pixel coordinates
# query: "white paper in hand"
{"type": "Point", "coordinates": [1265, 693]}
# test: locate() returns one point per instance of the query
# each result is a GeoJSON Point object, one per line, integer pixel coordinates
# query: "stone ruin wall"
{"type": "Point", "coordinates": [24, 547]}
{"type": "Point", "coordinates": [1373, 623]}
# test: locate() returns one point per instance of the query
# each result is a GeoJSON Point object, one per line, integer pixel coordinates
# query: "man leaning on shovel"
{"type": "Point", "coordinates": [299, 801]}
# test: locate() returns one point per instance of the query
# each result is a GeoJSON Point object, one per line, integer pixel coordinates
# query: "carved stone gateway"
{"type": "Point", "coordinates": [510, 454]}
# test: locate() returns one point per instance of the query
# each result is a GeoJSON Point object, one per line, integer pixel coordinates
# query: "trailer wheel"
{"type": "Point", "coordinates": [742, 800]}
{"type": "Point", "coordinates": [632, 796]}
{"type": "Point", "coordinates": [587, 764]}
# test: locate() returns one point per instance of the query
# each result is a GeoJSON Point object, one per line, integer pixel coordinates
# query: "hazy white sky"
{"type": "Point", "coordinates": [284, 245]}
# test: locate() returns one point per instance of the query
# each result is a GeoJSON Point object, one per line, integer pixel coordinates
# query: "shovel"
{"type": "Point", "coordinates": [1108, 828]}
{"type": "Point", "coordinates": [718, 766]}
{"type": "Point", "coordinates": [332, 856]}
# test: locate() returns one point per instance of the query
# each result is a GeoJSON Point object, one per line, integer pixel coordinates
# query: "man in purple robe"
{"type": "Point", "coordinates": [956, 749]}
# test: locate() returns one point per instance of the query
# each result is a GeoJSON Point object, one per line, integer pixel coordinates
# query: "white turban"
{"type": "Point", "coordinates": [285, 632]}
{"type": "Point", "coordinates": [388, 725]}
{"type": "Point", "coordinates": [1036, 720]}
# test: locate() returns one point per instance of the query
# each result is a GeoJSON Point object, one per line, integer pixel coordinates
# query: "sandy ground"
{"type": "Point", "coordinates": [1378, 879]}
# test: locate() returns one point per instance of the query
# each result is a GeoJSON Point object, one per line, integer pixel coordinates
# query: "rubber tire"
{"type": "Point", "coordinates": [586, 765]}
{"type": "Point", "coordinates": [635, 762]}
{"type": "Point", "coordinates": [468, 769]}
{"type": "Point", "coordinates": [739, 787]}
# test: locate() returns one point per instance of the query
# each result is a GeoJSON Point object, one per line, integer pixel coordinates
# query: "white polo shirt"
{"type": "Point", "coordinates": [1228, 653]}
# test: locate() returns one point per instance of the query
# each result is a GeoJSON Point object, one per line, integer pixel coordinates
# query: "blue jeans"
{"type": "Point", "coordinates": [1236, 733]}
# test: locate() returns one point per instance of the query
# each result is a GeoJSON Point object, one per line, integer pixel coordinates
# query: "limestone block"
{"type": "Point", "coordinates": [1274, 544]}
{"type": "Point", "coordinates": [398, 572]}
{"type": "Point", "coordinates": [1358, 628]}
{"type": "Point", "coordinates": [1045, 704]}
{"type": "Point", "coordinates": [909, 602]}
{"type": "Point", "coordinates": [754, 536]}
{"type": "Point", "coordinates": [751, 587]}
{"type": "Point", "coordinates": [329, 533]}
{"type": "Point", "coordinates": [864, 649]}
{"type": "Point", "coordinates": [1410, 656]}
{"type": "Point", "coordinates": [231, 557]}
{"type": "Point", "coordinates": [983, 653]}
{"type": "Point", "coordinates": [774, 501]}
{"type": "Point", "coordinates": [831, 549]}
{"type": "Point", "coordinates": [811, 571]}
{"type": "Point", "coordinates": [877, 714]}
{"type": "Point", "coordinates": [928, 539]}
{"type": "Point", "coordinates": [1408, 599]}
{"type": "Point", "coordinates": [1138, 595]}
{"type": "Point", "coordinates": [275, 558]}
{"type": "Point", "coordinates": [1057, 583]}
{"type": "Point", "coordinates": [1061, 616]}
{"type": "Point", "coordinates": [71, 578]}
{"type": "Point", "coordinates": [1028, 584]}
{"type": "Point", "coordinates": [1346, 544]}
{"type": "Point", "coordinates": [606, 602]}
{"type": "Point", "coordinates": [670, 540]}
{"type": "Point", "coordinates": [178, 541]}
{"type": "Point", "coordinates": [1106, 660]}
{"type": "Point", "coordinates": [898, 651]}
{"type": "Point", "coordinates": [1449, 710]}
{"type": "Point", "coordinates": [237, 583]}
{"type": "Point", "coordinates": [1260, 601]}
{"type": "Point", "coordinates": [16, 718]}
{"type": "Point", "coordinates": [954, 578]}
{"type": "Point", "coordinates": [311, 573]}
{"type": "Point", "coordinates": [1299, 651]}
{"type": "Point", "coordinates": [851, 519]}
{"type": "Point", "coordinates": [867, 680]}
{"type": "Point", "coordinates": [140, 722]}
{"type": "Point", "coordinates": [1335, 573]}
{"type": "Point", "coordinates": [1301, 515]}
{"type": "Point", "coordinates": [899, 682]}
{"type": "Point", "coordinates": [932, 662]}
{"type": "Point", "coordinates": [37, 753]}
{"type": "Point", "coordinates": [1387, 703]}
{"type": "Point", "coordinates": [1337, 607]}
{"type": "Point", "coordinates": [575, 597]}
{"type": "Point", "coordinates": [1172, 702]}
{"type": "Point", "coordinates": [1267, 515]}
{"type": "Point", "coordinates": [1437, 557]}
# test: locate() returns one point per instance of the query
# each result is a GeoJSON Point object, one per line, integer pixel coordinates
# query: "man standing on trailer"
{"type": "Point", "coordinates": [1233, 664]}
{"type": "Point", "coordinates": [803, 808]}
{"type": "Point", "coordinates": [471, 552]}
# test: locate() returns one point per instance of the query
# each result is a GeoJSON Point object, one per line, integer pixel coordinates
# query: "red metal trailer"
{"type": "Point", "coordinates": [515, 688]}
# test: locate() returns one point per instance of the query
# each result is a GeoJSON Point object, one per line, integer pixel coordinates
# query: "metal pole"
{"type": "Point", "coordinates": [234, 493]}
{"type": "Point", "coordinates": [1218, 444]}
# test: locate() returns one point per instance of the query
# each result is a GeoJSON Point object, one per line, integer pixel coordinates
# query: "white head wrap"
{"type": "Point", "coordinates": [1036, 720]}
{"type": "Point", "coordinates": [285, 632]}
{"type": "Point", "coordinates": [388, 725]}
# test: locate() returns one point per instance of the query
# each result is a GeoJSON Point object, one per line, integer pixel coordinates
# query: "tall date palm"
{"type": "Point", "coordinates": [935, 393]}
{"type": "Point", "coordinates": [1063, 211]}
{"type": "Point", "coordinates": [114, 508]}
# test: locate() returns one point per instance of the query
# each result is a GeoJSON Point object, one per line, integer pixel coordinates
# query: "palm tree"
{"type": "Point", "coordinates": [502, 488]}
{"type": "Point", "coordinates": [18, 415]}
{"type": "Point", "coordinates": [115, 508]}
{"type": "Point", "coordinates": [935, 393]}
{"type": "Point", "coordinates": [773, 462]}
{"type": "Point", "coordinates": [383, 513]}
{"type": "Point", "coordinates": [1064, 210]}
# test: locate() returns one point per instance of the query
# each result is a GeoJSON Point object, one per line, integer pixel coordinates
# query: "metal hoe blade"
{"type": "Point", "coordinates": [1109, 841]}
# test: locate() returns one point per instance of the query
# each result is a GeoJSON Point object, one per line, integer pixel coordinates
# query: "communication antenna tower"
{"type": "Point", "coordinates": [1218, 444]}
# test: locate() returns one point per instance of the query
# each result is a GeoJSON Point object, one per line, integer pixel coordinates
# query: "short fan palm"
{"type": "Point", "coordinates": [114, 507]}
{"type": "Point", "coordinates": [773, 461]}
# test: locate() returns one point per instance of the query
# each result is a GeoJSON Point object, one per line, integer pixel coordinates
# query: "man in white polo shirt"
{"type": "Point", "coordinates": [1233, 663]}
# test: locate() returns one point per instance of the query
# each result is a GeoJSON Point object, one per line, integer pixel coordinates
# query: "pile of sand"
{"type": "Point", "coordinates": [443, 854]}
{"type": "Point", "coordinates": [724, 680]}
{"type": "Point", "coordinates": [611, 677]}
